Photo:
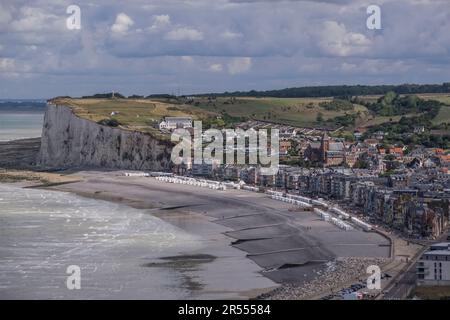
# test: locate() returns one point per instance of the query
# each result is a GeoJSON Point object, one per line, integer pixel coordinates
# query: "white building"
{"type": "Point", "coordinates": [433, 268]}
{"type": "Point", "coordinates": [172, 123]}
{"type": "Point", "coordinates": [203, 169]}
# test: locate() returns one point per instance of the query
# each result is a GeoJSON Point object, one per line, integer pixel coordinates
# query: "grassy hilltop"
{"type": "Point", "coordinates": [145, 114]}
{"type": "Point", "coordinates": [133, 114]}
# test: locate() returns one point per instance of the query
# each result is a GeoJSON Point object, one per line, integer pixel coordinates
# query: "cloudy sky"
{"type": "Point", "coordinates": [192, 46]}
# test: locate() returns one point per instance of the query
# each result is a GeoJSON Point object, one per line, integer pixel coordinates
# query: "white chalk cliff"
{"type": "Point", "coordinates": [70, 141]}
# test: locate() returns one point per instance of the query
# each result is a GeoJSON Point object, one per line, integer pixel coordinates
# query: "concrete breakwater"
{"type": "Point", "coordinates": [70, 141]}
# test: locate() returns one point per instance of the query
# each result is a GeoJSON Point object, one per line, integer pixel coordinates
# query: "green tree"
{"type": "Point", "coordinates": [319, 117]}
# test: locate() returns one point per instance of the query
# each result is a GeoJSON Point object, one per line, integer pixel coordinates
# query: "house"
{"type": "Point", "coordinates": [379, 135]}
{"type": "Point", "coordinates": [285, 145]}
{"type": "Point", "coordinates": [357, 134]}
{"type": "Point", "coordinates": [371, 142]}
{"type": "Point", "coordinates": [419, 129]}
{"type": "Point", "coordinates": [202, 169]}
{"type": "Point", "coordinates": [397, 151]}
{"type": "Point", "coordinates": [172, 123]}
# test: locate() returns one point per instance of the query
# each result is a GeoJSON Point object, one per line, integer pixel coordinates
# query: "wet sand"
{"type": "Point", "coordinates": [254, 242]}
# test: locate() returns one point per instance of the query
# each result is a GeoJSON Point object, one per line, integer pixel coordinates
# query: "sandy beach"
{"type": "Point", "coordinates": [256, 235]}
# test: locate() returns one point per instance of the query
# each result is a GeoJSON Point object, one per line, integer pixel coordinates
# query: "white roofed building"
{"type": "Point", "coordinates": [172, 123]}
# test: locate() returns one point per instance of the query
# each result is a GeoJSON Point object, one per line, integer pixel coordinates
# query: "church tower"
{"type": "Point", "coordinates": [324, 147]}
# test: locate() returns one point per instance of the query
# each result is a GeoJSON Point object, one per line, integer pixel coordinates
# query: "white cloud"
{"type": "Point", "coordinates": [229, 35]}
{"type": "Point", "coordinates": [34, 19]}
{"type": "Point", "coordinates": [216, 67]}
{"type": "Point", "coordinates": [239, 65]}
{"type": "Point", "coordinates": [122, 23]}
{"type": "Point", "coordinates": [184, 33]}
{"type": "Point", "coordinates": [160, 22]}
{"type": "Point", "coordinates": [292, 43]}
{"type": "Point", "coordinates": [187, 59]}
{"type": "Point", "coordinates": [6, 64]}
{"type": "Point", "coordinates": [335, 40]}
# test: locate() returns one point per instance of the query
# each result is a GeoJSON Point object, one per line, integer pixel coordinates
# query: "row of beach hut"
{"type": "Point", "coordinates": [215, 185]}
{"type": "Point", "coordinates": [323, 209]}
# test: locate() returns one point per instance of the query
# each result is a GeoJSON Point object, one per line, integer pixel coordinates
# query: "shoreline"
{"type": "Point", "coordinates": [217, 242]}
{"type": "Point", "coordinates": [89, 184]}
{"type": "Point", "coordinates": [98, 185]}
{"type": "Point", "coordinates": [181, 219]}
{"type": "Point", "coordinates": [107, 186]}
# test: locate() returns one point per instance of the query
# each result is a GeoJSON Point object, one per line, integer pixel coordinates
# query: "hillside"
{"type": "Point", "coordinates": [301, 112]}
{"type": "Point", "coordinates": [145, 114]}
{"type": "Point", "coordinates": [341, 90]}
{"type": "Point", "coordinates": [139, 114]}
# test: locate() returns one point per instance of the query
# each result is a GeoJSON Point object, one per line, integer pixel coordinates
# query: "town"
{"type": "Point", "coordinates": [407, 190]}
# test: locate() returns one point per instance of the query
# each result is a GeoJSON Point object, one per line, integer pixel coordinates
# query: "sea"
{"type": "Point", "coordinates": [56, 245]}
{"type": "Point", "coordinates": [46, 237]}
{"type": "Point", "coordinates": [21, 119]}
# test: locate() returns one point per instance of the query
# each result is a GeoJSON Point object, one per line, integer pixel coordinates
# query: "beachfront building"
{"type": "Point", "coordinates": [433, 268]}
{"type": "Point", "coordinates": [172, 123]}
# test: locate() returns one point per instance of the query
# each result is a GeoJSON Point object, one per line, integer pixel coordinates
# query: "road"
{"type": "Point", "coordinates": [402, 287]}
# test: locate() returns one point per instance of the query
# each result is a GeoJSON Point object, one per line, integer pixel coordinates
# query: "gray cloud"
{"type": "Point", "coordinates": [203, 45]}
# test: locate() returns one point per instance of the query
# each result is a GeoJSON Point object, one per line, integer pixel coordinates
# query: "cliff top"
{"type": "Point", "coordinates": [132, 114]}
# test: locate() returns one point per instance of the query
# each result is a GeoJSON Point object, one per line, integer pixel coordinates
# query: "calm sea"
{"type": "Point", "coordinates": [20, 125]}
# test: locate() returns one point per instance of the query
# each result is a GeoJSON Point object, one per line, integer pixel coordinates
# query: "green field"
{"type": "Point", "coordinates": [443, 115]}
{"type": "Point", "coordinates": [141, 115]}
{"type": "Point", "coordinates": [144, 114]}
{"type": "Point", "coordinates": [444, 98]}
{"type": "Point", "coordinates": [291, 111]}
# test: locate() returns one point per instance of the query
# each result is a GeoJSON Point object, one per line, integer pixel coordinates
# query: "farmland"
{"type": "Point", "coordinates": [145, 114]}
{"type": "Point", "coordinates": [290, 111]}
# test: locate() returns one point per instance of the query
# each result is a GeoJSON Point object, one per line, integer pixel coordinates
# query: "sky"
{"type": "Point", "coordinates": [200, 46]}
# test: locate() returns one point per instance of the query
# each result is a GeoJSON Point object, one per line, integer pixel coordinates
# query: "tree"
{"type": "Point", "coordinates": [319, 117]}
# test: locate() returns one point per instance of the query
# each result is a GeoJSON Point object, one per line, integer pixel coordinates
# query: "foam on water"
{"type": "Point", "coordinates": [43, 232]}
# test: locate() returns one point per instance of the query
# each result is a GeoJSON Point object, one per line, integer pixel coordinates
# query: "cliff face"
{"type": "Point", "coordinates": [70, 141]}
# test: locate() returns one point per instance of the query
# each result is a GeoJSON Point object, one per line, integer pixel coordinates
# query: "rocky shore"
{"type": "Point", "coordinates": [19, 154]}
{"type": "Point", "coordinates": [338, 273]}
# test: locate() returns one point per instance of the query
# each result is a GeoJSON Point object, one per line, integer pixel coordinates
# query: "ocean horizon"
{"type": "Point", "coordinates": [21, 118]}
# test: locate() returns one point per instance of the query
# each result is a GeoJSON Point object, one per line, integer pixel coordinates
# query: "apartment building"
{"type": "Point", "coordinates": [433, 268]}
